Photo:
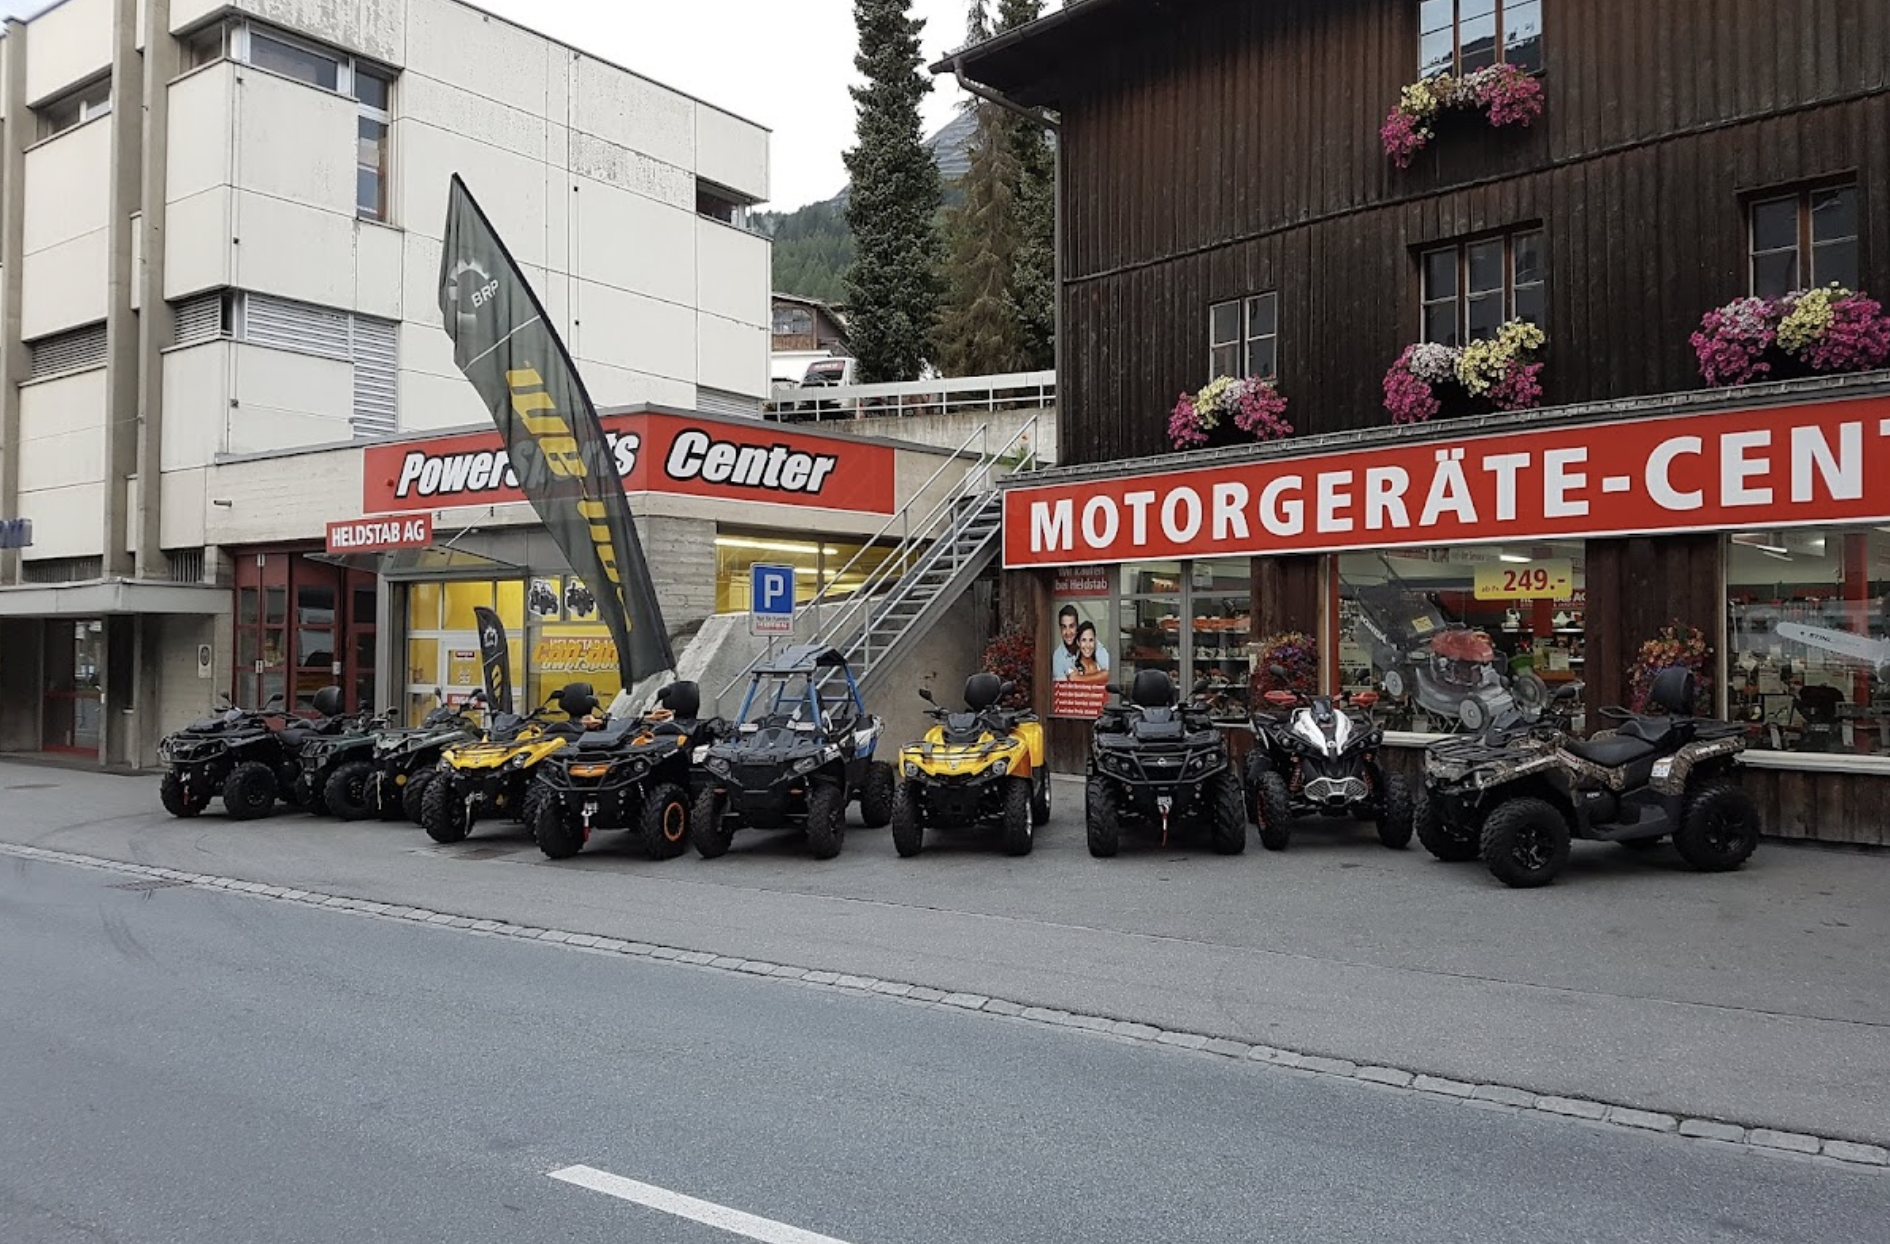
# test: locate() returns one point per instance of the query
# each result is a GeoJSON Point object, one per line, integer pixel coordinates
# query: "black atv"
{"type": "Point", "coordinates": [541, 602]}
{"type": "Point", "coordinates": [630, 773]}
{"type": "Point", "coordinates": [1153, 760]}
{"type": "Point", "coordinates": [579, 600]}
{"type": "Point", "coordinates": [251, 757]}
{"type": "Point", "coordinates": [802, 748]}
{"type": "Point", "coordinates": [1314, 755]}
{"type": "Point", "coordinates": [406, 760]}
{"type": "Point", "coordinates": [1517, 802]}
{"type": "Point", "coordinates": [344, 753]}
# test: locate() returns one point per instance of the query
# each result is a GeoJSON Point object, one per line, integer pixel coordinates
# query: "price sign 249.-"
{"type": "Point", "coordinates": [1552, 578]}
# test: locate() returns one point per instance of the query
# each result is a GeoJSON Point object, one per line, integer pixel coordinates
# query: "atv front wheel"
{"type": "Point", "coordinates": [876, 795]}
{"type": "Point", "coordinates": [1719, 829]}
{"type": "Point", "coordinates": [908, 822]}
{"type": "Point", "coordinates": [1017, 820]}
{"type": "Point", "coordinates": [1102, 817]}
{"type": "Point", "coordinates": [1394, 813]}
{"type": "Point", "coordinates": [350, 790]}
{"type": "Point", "coordinates": [827, 819]}
{"type": "Point", "coordinates": [1447, 842]}
{"type": "Point", "coordinates": [1228, 813]}
{"type": "Point", "coordinates": [1040, 798]}
{"type": "Point", "coordinates": [414, 794]}
{"type": "Point", "coordinates": [1272, 811]}
{"type": "Point", "coordinates": [559, 834]}
{"type": "Point", "coordinates": [529, 801]}
{"type": "Point", "coordinates": [708, 825]}
{"type": "Point", "coordinates": [179, 802]}
{"type": "Point", "coordinates": [249, 791]}
{"type": "Point", "coordinates": [443, 813]}
{"type": "Point", "coordinates": [663, 821]}
{"type": "Point", "coordinates": [1525, 843]}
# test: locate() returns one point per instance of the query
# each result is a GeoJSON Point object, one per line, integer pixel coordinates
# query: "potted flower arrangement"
{"type": "Point", "coordinates": [1293, 651]}
{"type": "Point", "coordinates": [1012, 656]}
{"type": "Point", "coordinates": [1499, 371]}
{"type": "Point", "coordinates": [1507, 95]}
{"type": "Point", "coordinates": [1674, 645]}
{"type": "Point", "coordinates": [1253, 406]}
{"type": "Point", "coordinates": [1824, 330]}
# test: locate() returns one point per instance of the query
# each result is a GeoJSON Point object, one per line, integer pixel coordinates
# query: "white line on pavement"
{"type": "Point", "coordinates": [767, 1230]}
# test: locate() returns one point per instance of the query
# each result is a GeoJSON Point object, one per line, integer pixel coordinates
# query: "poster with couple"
{"type": "Point", "coordinates": [1079, 658]}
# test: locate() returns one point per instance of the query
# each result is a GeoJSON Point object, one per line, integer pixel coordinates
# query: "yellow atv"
{"type": "Point", "coordinates": [496, 775]}
{"type": "Point", "coordinates": [986, 763]}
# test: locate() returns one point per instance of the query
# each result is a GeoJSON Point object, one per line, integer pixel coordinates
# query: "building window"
{"type": "Point", "coordinates": [793, 322]}
{"type": "Point", "coordinates": [79, 349]}
{"type": "Point", "coordinates": [1471, 289]}
{"type": "Point", "coordinates": [206, 46]}
{"type": "Point", "coordinates": [293, 60]}
{"type": "Point", "coordinates": [1244, 336]}
{"type": "Point", "coordinates": [1463, 36]}
{"type": "Point", "coordinates": [721, 204]}
{"type": "Point", "coordinates": [75, 108]}
{"type": "Point", "coordinates": [373, 90]}
{"type": "Point", "coordinates": [1804, 240]}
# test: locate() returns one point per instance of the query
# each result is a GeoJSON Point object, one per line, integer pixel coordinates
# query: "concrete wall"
{"type": "Point", "coordinates": [21, 652]}
{"type": "Point", "coordinates": [950, 431]}
{"type": "Point", "coordinates": [64, 211]}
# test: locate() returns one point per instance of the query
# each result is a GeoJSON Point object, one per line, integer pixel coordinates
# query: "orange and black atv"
{"type": "Point", "coordinates": [495, 775]}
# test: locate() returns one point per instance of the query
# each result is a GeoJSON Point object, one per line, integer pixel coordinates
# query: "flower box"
{"type": "Point", "coordinates": [1228, 411]}
{"type": "Point", "coordinates": [1505, 94]}
{"type": "Point", "coordinates": [1497, 374]}
{"type": "Point", "coordinates": [1807, 332]}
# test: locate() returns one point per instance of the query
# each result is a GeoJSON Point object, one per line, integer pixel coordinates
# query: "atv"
{"type": "Point", "coordinates": [497, 773]}
{"type": "Point", "coordinates": [1522, 798]}
{"type": "Point", "coordinates": [1153, 760]}
{"type": "Point", "coordinates": [406, 761]}
{"type": "Point", "coordinates": [249, 757]}
{"type": "Point", "coordinates": [344, 754]}
{"type": "Point", "coordinates": [632, 772]}
{"type": "Point", "coordinates": [986, 763]}
{"type": "Point", "coordinates": [802, 748]}
{"type": "Point", "coordinates": [1313, 755]}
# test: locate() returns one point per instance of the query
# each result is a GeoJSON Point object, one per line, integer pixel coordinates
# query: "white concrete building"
{"type": "Point", "coordinates": [219, 246]}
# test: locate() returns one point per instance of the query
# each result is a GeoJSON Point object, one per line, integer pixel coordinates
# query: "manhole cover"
{"type": "Point", "coordinates": [146, 885]}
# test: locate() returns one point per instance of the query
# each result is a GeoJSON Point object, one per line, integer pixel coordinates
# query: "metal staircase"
{"type": "Point", "coordinates": [940, 554]}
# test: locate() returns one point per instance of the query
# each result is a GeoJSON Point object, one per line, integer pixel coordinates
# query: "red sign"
{"type": "Point", "coordinates": [374, 535]}
{"type": "Point", "coordinates": [1078, 699]}
{"type": "Point", "coordinates": [1783, 467]}
{"type": "Point", "coordinates": [654, 453]}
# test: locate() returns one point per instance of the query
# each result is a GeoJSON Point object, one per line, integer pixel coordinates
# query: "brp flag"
{"type": "Point", "coordinates": [495, 657]}
{"type": "Point", "coordinates": [505, 345]}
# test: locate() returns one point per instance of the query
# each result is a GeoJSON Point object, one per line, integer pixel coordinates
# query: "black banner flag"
{"type": "Point", "coordinates": [495, 656]}
{"type": "Point", "coordinates": [505, 345]}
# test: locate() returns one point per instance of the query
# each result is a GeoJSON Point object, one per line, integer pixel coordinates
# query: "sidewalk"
{"type": "Point", "coordinates": [1762, 997]}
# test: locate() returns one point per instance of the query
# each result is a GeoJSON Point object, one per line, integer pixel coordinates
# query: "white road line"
{"type": "Point", "coordinates": [767, 1230]}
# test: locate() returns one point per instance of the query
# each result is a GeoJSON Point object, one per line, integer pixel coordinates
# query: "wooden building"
{"type": "Point", "coordinates": [1228, 208]}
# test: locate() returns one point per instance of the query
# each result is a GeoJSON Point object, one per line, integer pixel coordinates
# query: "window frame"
{"type": "Point", "coordinates": [1245, 336]}
{"type": "Point", "coordinates": [1463, 296]}
{"type": "Point", "coordinates": [88, 102]}
{"type": "Point", "coordinates": [1805, 242]}
{"type": "Point", "coordinates": [1501, 37]}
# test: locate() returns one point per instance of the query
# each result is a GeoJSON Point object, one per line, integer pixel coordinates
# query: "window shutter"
{"type": "Point", "coordinates": [300, 326]}
{"type": "Point", "coordinates": [199, 318]}
{"type": "Point", "coordinates": [376, 377]}
{"type": "Point", "coordinates": [719, 402]}
{"type": "Point", "coordinates": [77, 350]}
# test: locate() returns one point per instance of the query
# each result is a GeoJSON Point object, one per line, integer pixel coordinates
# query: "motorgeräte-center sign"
{"type": "Point", "coordinates": [1779, 467]}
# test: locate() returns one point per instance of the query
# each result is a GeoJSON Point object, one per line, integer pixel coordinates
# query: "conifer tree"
{"type": "Point", "coordinates": [1033, 280]}
{"type": "Point", "coordinates": [893, 284]}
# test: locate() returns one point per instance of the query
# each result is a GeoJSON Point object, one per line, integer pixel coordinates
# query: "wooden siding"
{"type": "Point", "coordinates": [1236, 151]}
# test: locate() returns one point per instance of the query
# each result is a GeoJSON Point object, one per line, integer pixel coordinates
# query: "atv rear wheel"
{"type": "Point", "coordinates": [1525, 842]}
{"type": "Point", "coordinates": [1394, 813]}
{"type": "Point", "coordinates": [1228, 814]}
{"type": "Point", "coordinates": [179, 802]}
{"type": "Point", "coordinates": [443, 813]}
{"type": "Point", "coordinates": [560, 835]}
{"type": "Point", "coordinates": [876, 794]}
{"type": "Point", "coordinates": [350, 790]}
{"type": "Point", "coordinates": [1447, 842]}
{"type": "Point", "coordinates": [709, 829]}
{"type": "Point", "coordinates": [663, 821]}
{"type": "Point", "coordinates": [908, 822]}
{"type": "Point", "coordinates": [1102, 818]}
{"type": "Point", "coordinates": [1719, 829]}
{"type": "Point", "coordinates": [413, 795]}
{"type": "Point", "coordinates": [1017, 819]}
{"type": "Point", "coordinates": [1040, 797]}
{"type": "Point", "coordinates": [249, 791]}
{"type": "Point", "coordinates": [1272, 810]}
{"type": "Point", "coordinates": [528, 802]}
{"type": "Point", "coordinates": [826, 819]}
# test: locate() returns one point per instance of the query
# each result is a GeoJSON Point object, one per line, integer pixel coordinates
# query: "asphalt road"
{"type": "Point", "coordinates": [1762, 996]}
{"type": "Point", "coordinates": [183, 1065]}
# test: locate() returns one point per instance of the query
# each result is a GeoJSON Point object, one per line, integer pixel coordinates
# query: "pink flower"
{"type": "Point", "coordinates": [1184, 425]}
{"type": "Point", "coordinates": [1733, 340]}
{"type": "Point", "coordinates": [1403, 137]}
{"type": "Point", "coordinates": [1511, 96]}
{"type": "Point", "coordinates": [1262, 411]}
{"type": "Point", "coordinates": [1408, 398]}
{"type": "Point", "coordinates": [1857, 340]}
{"type": "Point", "coordinates": [1520, 388]}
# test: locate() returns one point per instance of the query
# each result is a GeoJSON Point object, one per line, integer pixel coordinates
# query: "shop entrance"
{"type": "Point", "coordinates": [302, 625]}
{"type": "Point", "coordinates": [73, 712]}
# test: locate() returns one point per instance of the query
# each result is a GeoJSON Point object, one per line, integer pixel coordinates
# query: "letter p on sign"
{"type": "Point", "coordinates": [771, 597]}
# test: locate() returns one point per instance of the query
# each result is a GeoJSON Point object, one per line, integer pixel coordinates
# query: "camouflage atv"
{"type": "Point", "coordinates": [1517, 801]}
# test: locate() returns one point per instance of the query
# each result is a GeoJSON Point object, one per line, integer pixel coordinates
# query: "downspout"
{"type": "Point", "coordinates": [15, 362]}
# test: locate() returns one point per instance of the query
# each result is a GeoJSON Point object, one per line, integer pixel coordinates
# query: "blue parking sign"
{"type": "Point", "coordinates": [771, 600]}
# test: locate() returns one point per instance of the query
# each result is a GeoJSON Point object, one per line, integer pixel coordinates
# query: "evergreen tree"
{"type": "Point", "coordinates": [893, 284]}
{"type": "Point", "coordinates": [1033, 279]}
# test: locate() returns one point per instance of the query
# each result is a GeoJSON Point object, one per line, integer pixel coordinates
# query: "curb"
{"type": "Point", "coordinates": [1508, 1098]}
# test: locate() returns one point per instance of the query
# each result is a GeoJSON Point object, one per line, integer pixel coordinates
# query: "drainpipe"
{"type": "Point", "coordinates": [14, 360]}
{"type": "Point", "coordinates": [156, 327]}
{"type": "Point", "coordinates": [121, 322]}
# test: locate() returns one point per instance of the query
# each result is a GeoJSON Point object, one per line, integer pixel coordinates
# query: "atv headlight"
{"type": "Point", "coordinates": [1000, 768]}
{"type": "Point", "coordinates": [700, 754]}
{"type": "Point", "coordinates": [807, 764]}
{"type": "Point", "coordinates": [717, 766]}
{"type": "Point", "coordinates": [912, 769]}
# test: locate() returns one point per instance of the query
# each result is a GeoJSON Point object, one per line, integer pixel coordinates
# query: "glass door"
{"type": "Point", "coordinates": [73, 713]}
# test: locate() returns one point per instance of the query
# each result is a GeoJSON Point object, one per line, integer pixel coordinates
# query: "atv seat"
{"type": "Point", "coordinates": [1613, 752]}
{"type": "Point", "coordinates": [1160, 725]}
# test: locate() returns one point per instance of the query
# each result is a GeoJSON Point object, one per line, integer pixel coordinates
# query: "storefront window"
{"type": "Point", "coordinates": [1150, 634]}
{"type": "Point", "coordinates": [1808, 639]}
{"type": "Point", "coordinates": [1454, 638]}
{"type": "Point", "coordinates": [1190, 620]}
{"type": "Point", "coordinates": [840, 565]}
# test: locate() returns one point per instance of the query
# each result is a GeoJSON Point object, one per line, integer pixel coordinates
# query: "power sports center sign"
{"type": "Point", "coordinates": [652, 452]}
{"type": "Point", "coordinates": [1779, 467]}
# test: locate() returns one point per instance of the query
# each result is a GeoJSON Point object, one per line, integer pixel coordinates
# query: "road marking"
{"type": "Point", "coordinates": [721, 1217]}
